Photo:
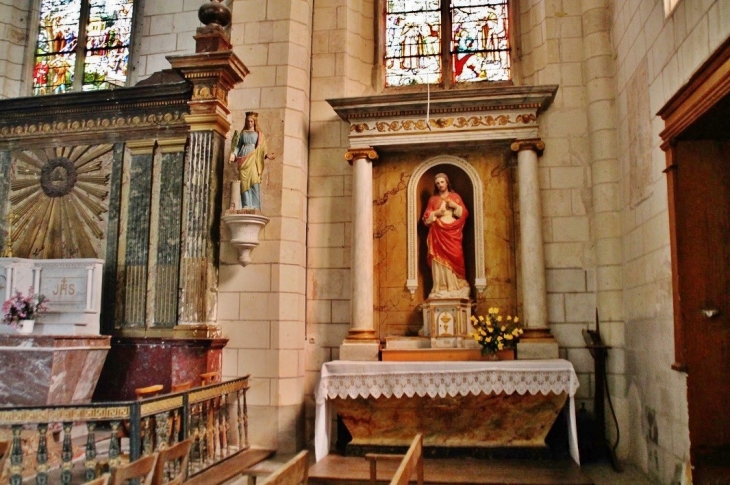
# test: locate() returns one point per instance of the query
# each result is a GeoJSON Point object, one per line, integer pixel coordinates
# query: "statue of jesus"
{"type": "Point", "coordinates": [445, 217]}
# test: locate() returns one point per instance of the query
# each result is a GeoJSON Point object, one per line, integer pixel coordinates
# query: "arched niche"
{"type": "Point", "coordinates": [477, 215]}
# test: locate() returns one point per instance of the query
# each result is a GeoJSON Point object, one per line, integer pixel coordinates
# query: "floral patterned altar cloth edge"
{"type": "Point", "coordinates": [349, 379]}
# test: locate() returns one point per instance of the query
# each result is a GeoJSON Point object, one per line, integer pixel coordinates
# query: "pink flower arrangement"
{"type": "Point", "coordinates": [20, 307]}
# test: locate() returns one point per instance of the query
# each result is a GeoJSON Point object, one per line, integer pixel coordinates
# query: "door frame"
{"type": "Point", "coordinates": [706, 87]}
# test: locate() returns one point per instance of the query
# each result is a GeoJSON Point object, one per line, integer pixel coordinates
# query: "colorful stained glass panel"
{"type": "Point", "coordinates": [105, 39]}
{"type": "Point", "coordinates": [413, 42]}
{"type": "Point", "coordinates": [480, 40]}
{"type": "Point", "coordinates": [58, 32]}
{"type": "Point", "coordinates": [58, 26]}
{"type": "Point", "coordinates": [108, 34]}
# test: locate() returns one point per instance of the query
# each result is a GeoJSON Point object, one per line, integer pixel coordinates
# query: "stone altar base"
{"type": "Point", "coordinates": [484, 420]}
{"type": "Point", "coordinates": [136, 362]}
{"type": "Point", "coordinates": [39, 370]}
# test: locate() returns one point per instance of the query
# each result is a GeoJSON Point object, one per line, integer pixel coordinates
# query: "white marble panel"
{"type": "Point", "coordinates": [72, 286]}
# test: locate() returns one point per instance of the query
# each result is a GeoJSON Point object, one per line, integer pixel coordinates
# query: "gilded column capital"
{"type": "Point", "coordinates": [534, 144]}
{"type": "Point", "coordinates": [356, 153]}
{"type": "Point", "coordinates": [141, 147]}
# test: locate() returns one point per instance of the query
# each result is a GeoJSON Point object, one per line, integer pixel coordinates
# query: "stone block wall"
{"type": "Point", "coordinates": [165, 28]}
{"type": "Point", "coordinates": [262, 306]}
{"type": "Point", "coordinates": [342, 61]}
{"type": "Point", "coordinates": [566, 42]}
{"type": "Point", "coordinates": [655, 54]}
{"type": "Point", "coordinates": [14, 18]}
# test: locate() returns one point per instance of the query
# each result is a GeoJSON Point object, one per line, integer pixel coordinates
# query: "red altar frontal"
{"type": "Point", "coordinates": [454, 404]}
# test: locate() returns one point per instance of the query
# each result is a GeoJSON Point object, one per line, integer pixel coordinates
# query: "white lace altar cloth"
{"type": "Point", "coordinates": [348, 379]}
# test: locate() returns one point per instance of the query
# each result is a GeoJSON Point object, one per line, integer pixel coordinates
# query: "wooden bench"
{"type": "Point", "coordinates": [144, 469]}
{"type": "Point", "coordinates": [410, 462]}
{"type": "Point", "coordinates": [172, 464]}
{"type": "Point", "coordinates": [294, 472]}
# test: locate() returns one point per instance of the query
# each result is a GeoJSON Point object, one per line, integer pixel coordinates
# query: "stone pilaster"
{"type": "Point", "coordinates": [361, 342]}
{"type": "Point", "coordinates": [537, 341]}
{"type": "Point", "coordinates": [213, 71]}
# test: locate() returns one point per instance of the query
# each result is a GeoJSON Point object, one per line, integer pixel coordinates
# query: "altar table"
{"type": "Point", "coordinates": [370, 381]}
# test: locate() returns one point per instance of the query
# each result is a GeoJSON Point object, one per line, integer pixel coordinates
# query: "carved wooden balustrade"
{"type": "Point", "coordinates": [215, 416]}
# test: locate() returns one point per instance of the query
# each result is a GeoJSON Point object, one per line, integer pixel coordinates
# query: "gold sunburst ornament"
{"type": "Point", "coordinates": [59, 196]}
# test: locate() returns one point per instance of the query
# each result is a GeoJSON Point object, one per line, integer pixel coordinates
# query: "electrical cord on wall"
{"type": "Point", "coordinates": [612, 455]}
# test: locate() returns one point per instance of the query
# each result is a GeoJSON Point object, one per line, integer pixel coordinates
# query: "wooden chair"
{"type": "Point", "coordinates": [410, 462]}
{"type": "Point", "coordinates": [102, 480]}
{"type": "Point", "coordinates": [176, 459]}
{"type": "Point", "coordinates": [294, 472]}
{"type": "Point", "coordinates": [183, 386]}
{"type": "Point", "coordinates": [149, 391]}
{"type": "Point", "coordinates": [4, 454]}
{"type": "Point", "coordinates": [209, 378]}
{"type": "Point", "coordinates": [143, 468]}
{"type": "Point", "coordinates": [174, 422]}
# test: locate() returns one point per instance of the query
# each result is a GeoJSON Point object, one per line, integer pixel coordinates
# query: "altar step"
{"type": "Point", "coordinates": [352, 470]}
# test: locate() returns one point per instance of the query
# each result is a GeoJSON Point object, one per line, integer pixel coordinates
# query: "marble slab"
{"type": "Point", "coordinates": [483, 420]}
{"type": "Point", "coordinates": [136, 362]}
{"type": "Point", "coordinates": [41, 370]}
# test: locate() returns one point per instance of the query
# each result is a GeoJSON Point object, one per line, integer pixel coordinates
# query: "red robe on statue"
{"type": "Point", "coordinates": [445, 238]}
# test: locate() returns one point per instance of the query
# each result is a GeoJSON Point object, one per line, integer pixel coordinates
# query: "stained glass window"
{"type": "Point", "coordinates": [100, 57]}
{"type": "Point", "coordinates": [474, 33]}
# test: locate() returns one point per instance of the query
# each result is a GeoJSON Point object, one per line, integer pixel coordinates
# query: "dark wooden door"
{"type": "Point", "coordinates": [703, 244]}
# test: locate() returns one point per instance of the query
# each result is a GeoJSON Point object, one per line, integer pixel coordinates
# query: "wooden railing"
{"type": "Point", "coordinates": [215, 416]}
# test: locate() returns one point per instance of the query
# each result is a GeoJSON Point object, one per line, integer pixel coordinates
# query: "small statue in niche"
{"type": "Point", "coordinates": [445, 216]}
{"type": "Point", "coordinates": [249, 153]}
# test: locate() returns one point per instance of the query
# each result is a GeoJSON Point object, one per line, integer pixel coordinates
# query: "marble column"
{"type": "Point", "coordinates": [361, 342]}
{"type": "Point", "coordinates": [537, 341]}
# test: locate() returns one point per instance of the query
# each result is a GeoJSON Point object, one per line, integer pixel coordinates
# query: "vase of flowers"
{"type": "Point", "coordinates": [20, 311]}
{"type": "Point", "coordinates": [495, 333]}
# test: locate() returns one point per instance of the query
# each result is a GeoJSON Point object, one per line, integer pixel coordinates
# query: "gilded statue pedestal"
{"type": "Point", "coordinates": [446, 321]}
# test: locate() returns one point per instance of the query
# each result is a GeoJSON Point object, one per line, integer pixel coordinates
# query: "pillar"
{"type": "Point", "coordinates": [212, 72]}
{"type": "Point", "coordinates": [362, 342]}
{"type": "Point", "coordinates": [537, 342]}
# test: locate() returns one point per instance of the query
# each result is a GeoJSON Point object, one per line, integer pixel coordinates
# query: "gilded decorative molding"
{"type": "Point", "coordinates": [535, 144]}
{"type": "Point", "coordinates": [90, 125]}
{"type": "Point", "coordinates": [141, 147]}
{"type": "Point", "coordinates": [57, 415]}
{"type": "Point", "coordinates": [208, 91]}
{"type": "Point", "coordinates": [357, 153]}
{"type": "Point", "coordinates": [158, 406]}
{"type": "Point", "coordinates": [8, 251]}
{"type": "Point", "coordinates": [209, 122]}
{"type": "Point", "coordinates": [459, 122]}
{"type": "Point", "coordinates": [202, 330]}
{"type": "Point", "coordinates": [172, 145]}
{"type": "Point", "coordinates": [210, 392]}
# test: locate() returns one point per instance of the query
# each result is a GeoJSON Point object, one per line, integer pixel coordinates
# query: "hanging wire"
{"type": "Point", "coordinates": [428, 101]}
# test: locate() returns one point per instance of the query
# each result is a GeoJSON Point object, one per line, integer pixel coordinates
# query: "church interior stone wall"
{"type": "Point", "coordinates": [663, 51]}
{"type": "Point", "coordinates": [603, 194]}
{"type": "Point", "coordinates": [13, 32]}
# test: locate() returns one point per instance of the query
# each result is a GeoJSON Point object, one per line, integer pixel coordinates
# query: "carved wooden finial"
{"type": "Point", "coordinates": [215, 16]}
{"type": "Point", "coordinates": [214, 13]}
